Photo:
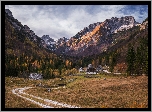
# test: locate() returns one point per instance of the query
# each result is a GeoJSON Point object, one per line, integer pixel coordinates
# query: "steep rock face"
{"type": "Point", "coordinates": [23, 30]}
{"type": "Point", "coordinates": [96, 37]}
{"type": "Point", "coordinates": [86, 30]}
{"type": "Point", "coordinates": [119, 24]}
{"type": "Point", "coordinates": [62, 41]}
{"type": "Point", "coordinates": [61, 45]}
{"type": "Point", "coordinates": [50, 43]}
{"type": "Point", "coordinates": [9, 12]}
{"type": "Point", "coordinates": [144, 25]}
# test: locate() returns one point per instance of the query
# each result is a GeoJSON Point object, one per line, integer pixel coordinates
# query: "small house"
{"type": "Point", "coordinates": [81, 70]}
{"type": "Point", "coordinates": [91, 69]}
{"type": "Point", "coordinates": [99, 68]}
{"type": "Point", "coordinates": [36, 76]}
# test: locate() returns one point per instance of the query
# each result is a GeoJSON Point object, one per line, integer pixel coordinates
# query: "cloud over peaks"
{"type": "Point", "coordinates": [59, 21]}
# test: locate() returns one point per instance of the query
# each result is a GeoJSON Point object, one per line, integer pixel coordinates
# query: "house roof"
{"type": "Point", "coordinates": [35, 76]}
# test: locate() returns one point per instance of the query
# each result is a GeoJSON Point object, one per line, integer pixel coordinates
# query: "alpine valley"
{"type": "Point", "coordinates": [105, 65]}
{"type": "Point", "coordinates": [100, 43]}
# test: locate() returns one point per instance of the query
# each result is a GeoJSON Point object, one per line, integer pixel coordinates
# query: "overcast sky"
{"type": "Point", "coordinates": [59, 21]}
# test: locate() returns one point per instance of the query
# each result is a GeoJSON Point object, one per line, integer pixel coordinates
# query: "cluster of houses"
{"type": "Point", "coordinates": [91, 70]}
{"type": "Point", "coordinates": [88, 70]}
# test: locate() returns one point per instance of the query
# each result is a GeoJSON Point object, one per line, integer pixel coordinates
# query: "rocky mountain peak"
{"type": "Point", "coordinates": [45, 37]}
{"type": "Point", "coordinates": [144, 25]}
{"type": "Point", "coordinates": [9, 12]}
{"type": "Point", "coordinates": [93, 39]}
{"type": "Point", "coordinates": [96, 37]}
{"type": "Point", "coordinates": [119, 24]}
{"type": "Point", "coordinates": [48, 40]}
{"type": "Point", "coordinates": [62, 40]}
{"type": "Point", "coordinates": [26, 28]}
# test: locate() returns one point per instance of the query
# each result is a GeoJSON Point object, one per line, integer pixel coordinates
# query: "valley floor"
{"type": "Point", "coordinates": [101, 92]}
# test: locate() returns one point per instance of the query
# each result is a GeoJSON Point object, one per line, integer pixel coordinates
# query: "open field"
{"type": "Point", "coordinates": [113, 92]}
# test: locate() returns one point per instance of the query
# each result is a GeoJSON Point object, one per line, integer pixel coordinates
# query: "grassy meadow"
{"type": "Point", "coordinates": [112, 92]}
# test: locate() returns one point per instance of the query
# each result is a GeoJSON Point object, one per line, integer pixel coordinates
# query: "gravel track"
{"type": "Point", "coordinates": [110, 72]}
{"type": "Point", "coordinates": [19, 92]}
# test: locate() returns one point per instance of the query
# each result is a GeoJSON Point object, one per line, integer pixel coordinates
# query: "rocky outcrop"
{"type": "Point", "coordinates": [50, 43]}
{"type": "Point", "coordinates": [94, 39]}
{"type": "Point", "coordinates": [23, 30]}
{"type": "Point", "coordinates": [97, 37]}
{"type": "Point", "coordinates": [9, 12]}
{"type": "Point", "coordinates": [144, 25]}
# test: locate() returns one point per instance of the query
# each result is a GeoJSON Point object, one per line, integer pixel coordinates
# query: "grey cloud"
{"type": "Point", "coordinates": [66, 20]}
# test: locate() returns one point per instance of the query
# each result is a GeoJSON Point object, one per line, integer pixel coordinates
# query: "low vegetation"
{"type": "Point", "coordinates": [102, 92]}
{"type": "Point", "coordinates": [127, 55]}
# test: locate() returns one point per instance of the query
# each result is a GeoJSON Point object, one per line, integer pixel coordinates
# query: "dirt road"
{"type": "Point", "coordinates": [44, 103]}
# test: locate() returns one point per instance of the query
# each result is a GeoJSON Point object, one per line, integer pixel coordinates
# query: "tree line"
{"type": "Point", "coordinates": [49, 67]}
{"type": "Point", "coordinates": [137, 59]}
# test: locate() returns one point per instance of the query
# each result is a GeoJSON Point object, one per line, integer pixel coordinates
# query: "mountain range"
{"type": "Point", "coordinates": [96, 39]}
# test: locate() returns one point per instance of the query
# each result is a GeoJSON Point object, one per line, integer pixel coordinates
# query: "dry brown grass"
{"type": "Point", "coordinates": [114, 92]}
{"type": "Point", "coordinates": [13, 101]}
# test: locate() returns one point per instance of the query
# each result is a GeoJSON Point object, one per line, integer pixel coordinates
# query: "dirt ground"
{"type": "Point", "coordinates": [112, 92]}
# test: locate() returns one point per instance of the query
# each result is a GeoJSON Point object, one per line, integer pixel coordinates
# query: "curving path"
{"type": "Point", "coordinates": [19, 92]}
{"type": "Point", "coordinates": [110, 72]}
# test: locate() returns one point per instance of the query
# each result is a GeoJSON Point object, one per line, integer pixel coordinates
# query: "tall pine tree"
{"type": "Point", "coordinates": [130, 60]}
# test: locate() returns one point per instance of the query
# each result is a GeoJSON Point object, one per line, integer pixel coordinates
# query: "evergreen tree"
{"type": "Point", "coordinates": [130, 60]}
{"type": "Point", "coordinates": [144, 53]}
{"type": "Point", "coordinates": [112, 61]}
{"type": "Point", "coordinates": [138, 61]}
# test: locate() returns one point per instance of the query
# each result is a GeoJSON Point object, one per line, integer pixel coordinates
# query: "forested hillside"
{"type": "Point", "coordinates": [24, 55]}
{"type": "Point", "coordinates": [25, 52]}
{"type": "Point", "coordinates": [128, 53]}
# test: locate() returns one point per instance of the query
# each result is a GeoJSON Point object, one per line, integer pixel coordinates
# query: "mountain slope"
{"type": "Point", "coordinates": [116, 55]}
{"type": "Point", "coordinates": [19, 37]}
{"type": "Point", "coordinates": [25, 52]}
{"type": "Point", "coordinates": [100, 43]}
{"type": "Point", "coordinates": [97, 37]}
